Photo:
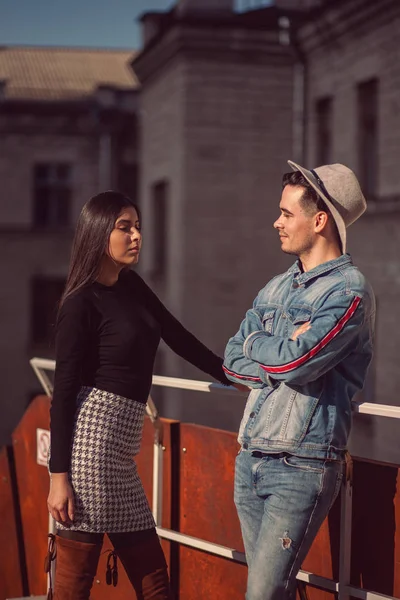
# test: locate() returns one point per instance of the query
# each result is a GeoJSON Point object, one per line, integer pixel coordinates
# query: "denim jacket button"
{"type": "Point", "coordinates": [245, 445]}
{"type": "Point", "coordinates": [252, 414]}
{"type": "Point", "coordinates": [295, 284]}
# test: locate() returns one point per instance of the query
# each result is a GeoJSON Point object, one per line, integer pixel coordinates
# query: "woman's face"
{"type": "Point", "coordinates": [125, 239]}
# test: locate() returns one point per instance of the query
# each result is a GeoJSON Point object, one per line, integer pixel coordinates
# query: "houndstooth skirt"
{"type": "Point", "coordinates": [109, 496]}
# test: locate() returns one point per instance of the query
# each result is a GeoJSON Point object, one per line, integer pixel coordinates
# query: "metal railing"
{"type": "Point", "coordinates": [342, 587]}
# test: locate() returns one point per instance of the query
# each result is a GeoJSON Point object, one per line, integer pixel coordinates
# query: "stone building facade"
{"type": "Point", "coordinates": [225, 99]}
{"type": "Point", "coordinates": [321, 86]}
{"type": "Point", "coordinates": [351, 53]}
{"type": "Point", "coordinates": [214, 146]}
{"type": "Point", "coordinates": [67, 130]}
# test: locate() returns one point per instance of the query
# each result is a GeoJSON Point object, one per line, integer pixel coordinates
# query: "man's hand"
{"type": "Point", "coordinates": [302, 329]}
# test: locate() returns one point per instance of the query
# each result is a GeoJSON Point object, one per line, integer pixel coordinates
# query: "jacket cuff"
{"type": "Point", "coordinates": [248, 342]}
{"type": "Point", "coordinates": [267, 379]}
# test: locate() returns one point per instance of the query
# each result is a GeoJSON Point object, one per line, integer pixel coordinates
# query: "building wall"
{"type": "Point", "coordinates": [337, 62]}
{"type": "Point", "coordinates": [47, 135]}
{"type": "Point", "coordinates": [20, 152]}
{"type": "Point", "coordinates": [162, 160]}
{"type": "Point", "coordinates": [234, 119]}
{"type": "Point", "coordinates": [218, 127]}
{"type": "Point", "coordinates": [365, 50]}
{"type": "Point", "coordinates": [162, 154]}
{"type": "Point", "coordinates": [238, 137]}
{"type": "Point", "coordinates": [26, 253]}
{"type": "Point", "coordinates": [349, 44]}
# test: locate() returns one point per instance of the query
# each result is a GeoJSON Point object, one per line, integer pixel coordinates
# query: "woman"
{"type": "Point", "coordinates": [108, 330]}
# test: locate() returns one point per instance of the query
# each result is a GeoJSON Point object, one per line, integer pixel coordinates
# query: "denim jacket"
{"type": "Point", "coordinates": [302, 389]}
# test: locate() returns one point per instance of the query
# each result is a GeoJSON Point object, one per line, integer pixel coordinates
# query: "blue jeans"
{"type": "Point", "coordinates": [282, 501]}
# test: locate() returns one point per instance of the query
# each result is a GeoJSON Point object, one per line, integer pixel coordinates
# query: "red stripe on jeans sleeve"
{"type": "Point", "coordinates": [324, 342]}
{"type": "Point", "coordinates": [244, 377]}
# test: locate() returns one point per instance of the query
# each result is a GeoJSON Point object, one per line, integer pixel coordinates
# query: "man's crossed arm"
{"type": "Point", "coordinates": [257, 358]}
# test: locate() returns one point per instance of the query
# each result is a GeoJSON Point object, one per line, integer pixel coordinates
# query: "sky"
{"type": "Point", "coordinates": [94, 23]}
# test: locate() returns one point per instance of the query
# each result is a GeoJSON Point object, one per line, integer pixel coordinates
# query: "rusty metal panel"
{"type": "Point", "coordinates": [11, 585]}
{"type": "Point", "coordinates": [207, 511]}
{"type": "Point", "coordinates": [205, 576]}
{"type": "Point", "coordinates": [198, 500]}
{"type": "Point", "coordinates": [33, 487]}
{"type": "Point", "coordinates": [375, 555]}
{"type": "Point", "coordinates": [206, 495]}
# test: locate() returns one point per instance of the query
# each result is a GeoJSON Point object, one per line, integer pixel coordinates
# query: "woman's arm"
{"type": "Point", "coordinates": [179, 339]}
{"type": "Point", "coordinates": [71, 335]}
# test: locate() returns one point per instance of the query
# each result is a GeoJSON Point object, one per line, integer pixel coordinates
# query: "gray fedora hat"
{"type": "Point", "coordinates": [338, 187]}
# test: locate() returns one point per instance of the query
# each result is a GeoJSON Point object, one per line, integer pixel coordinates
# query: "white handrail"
{"type": "Point", "coordinates": [366, 408]}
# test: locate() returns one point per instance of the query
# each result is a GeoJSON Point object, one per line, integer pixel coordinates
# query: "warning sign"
{"type": "Point", "coordinates": [42, 446]}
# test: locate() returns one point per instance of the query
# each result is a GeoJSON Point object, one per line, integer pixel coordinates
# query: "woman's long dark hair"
{"type": "Point", "coordinates": [93, 230]}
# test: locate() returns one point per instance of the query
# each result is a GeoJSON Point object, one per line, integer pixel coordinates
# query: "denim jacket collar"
{"type": "Point", "coordinates": [330, 265]}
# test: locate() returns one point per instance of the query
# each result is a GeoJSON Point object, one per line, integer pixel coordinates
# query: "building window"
{"type": "Point", "coordinates": [160, 229]}
{"type": "Point", "coordinates": [367, 100]}
{"type": "Point", "coordinates": [46, 293]}
{"type": "Point", "coordinates": [324, 114]}
{"type": "Point", "coordinates": [52, 195]}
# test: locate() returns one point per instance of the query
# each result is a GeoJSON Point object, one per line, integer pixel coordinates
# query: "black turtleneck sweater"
{"type": "Point", "coordinates": [107, 337]}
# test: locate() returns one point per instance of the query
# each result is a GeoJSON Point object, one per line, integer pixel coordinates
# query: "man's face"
{"type": "Point", "coordinates": [295, 226]}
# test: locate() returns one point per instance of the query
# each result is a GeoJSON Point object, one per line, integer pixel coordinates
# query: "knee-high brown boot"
{"type": "Point", "coordinates": [76, 566]}
{"type": "Point", "coordinates": [145, 565]}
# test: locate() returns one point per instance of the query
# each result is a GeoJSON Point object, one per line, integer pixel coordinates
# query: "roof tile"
{"type": "Point", "coordinates": [46, 73]}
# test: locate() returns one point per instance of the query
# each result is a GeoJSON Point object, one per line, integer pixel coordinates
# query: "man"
{"type": "Point", "coordinates": [304, 348]}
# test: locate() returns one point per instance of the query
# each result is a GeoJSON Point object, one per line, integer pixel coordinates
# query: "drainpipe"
{"type": "Point", "coordinates": [105, 161]}
{"type": "Point", "coordinates": [299, 102]}
{"type": "Point", "coordinates": [107, 113]}
{"type": "Point", "coordinates": [299, 112]}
